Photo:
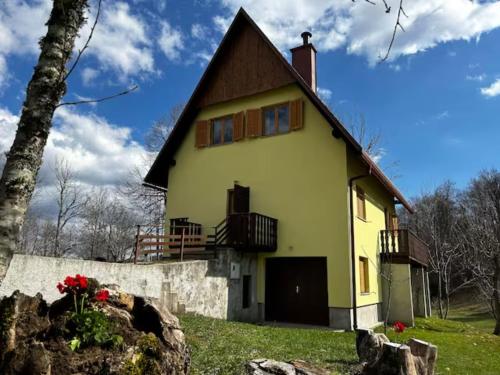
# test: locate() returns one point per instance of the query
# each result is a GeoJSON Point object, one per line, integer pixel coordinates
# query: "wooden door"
{"type": "Point", "coordinates": [297, 290]}
{"type": "Point", "coordinates": [238, 200]}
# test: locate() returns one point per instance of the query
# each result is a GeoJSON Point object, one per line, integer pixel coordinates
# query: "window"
{"type": "Point", "coordinates": [360, 203]}
{"type": "Point", "coordinates": [364, 279]}
{"type": "Point", "coordinates": [247, 288]}
{"type": "Point", "coordinates": [276, 119]}
{"type": "Point", "coordinates": [222, 130]}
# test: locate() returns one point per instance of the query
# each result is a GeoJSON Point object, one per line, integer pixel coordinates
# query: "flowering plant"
{"type": "Point", "coordinates": [77, 286]}
{"type": "Point", "coordinates": [399, 327]}
{"type": "Point", "coordinates": [90, 325]}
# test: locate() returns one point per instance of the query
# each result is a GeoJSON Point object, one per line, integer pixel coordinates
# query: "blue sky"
{"type": "Point", "coordinates": [436, 102]}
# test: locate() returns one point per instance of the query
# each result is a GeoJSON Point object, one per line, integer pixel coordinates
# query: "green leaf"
{"type": "Point", "coordinates": [74, 344]}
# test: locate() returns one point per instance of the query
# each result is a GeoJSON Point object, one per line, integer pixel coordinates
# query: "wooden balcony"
{"type": "Point", "coordinates": [403, 246]}
{"type": "Point", "coordinates": [252, 232]}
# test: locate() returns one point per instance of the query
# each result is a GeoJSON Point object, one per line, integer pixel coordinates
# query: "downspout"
{"type": "Point", "coordinates": [353, 252]}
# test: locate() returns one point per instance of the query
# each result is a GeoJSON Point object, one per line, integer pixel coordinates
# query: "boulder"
{"type": "Point", "coordinates": [33, 338]}
{"type": "Point", "coordinates": [271, 367]}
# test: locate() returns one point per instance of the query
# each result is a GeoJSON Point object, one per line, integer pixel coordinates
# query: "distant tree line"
{"type": "Point", "coordinates": [100, 222]}
{"type": "Point", "coordinates": [462, 229]}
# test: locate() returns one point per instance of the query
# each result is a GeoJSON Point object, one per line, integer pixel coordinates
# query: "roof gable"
{"type": "Point", "coordinates": [245, 65]}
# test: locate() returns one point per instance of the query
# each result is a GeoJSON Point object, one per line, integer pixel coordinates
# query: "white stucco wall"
{"type": "Point", "coordinates": [201, 285]}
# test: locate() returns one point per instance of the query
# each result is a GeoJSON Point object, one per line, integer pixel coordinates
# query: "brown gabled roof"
{"type": "Point", "coordinates": [157, 176]}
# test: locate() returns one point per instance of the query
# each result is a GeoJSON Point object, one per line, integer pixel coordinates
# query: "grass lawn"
{"type": "Point", "coordinates": [465, 344]}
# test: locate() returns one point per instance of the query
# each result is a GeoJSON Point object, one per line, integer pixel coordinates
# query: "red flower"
{"type": "Point", "coordinates": [82, 281]}
{"type": "Point", "coordinates": [70, 281]}
{"type": "Point", "coordinates": [62, 288]}
{"type": "Point", "coordinates": [102, 295]}
{"type": "Point", "coordinates": [399, 327]}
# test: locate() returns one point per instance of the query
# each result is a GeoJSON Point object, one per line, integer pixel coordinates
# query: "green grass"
{"type": "Point", "coordinates": [465, 344]}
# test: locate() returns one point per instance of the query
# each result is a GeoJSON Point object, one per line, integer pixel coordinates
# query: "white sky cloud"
{"type": "Point", "coordinates": [89, 75]}
{"type": "Point", "coordinates": [365, 29]}
{"type": "Point", "coordinates": [491, 90]}
{"type": "Point", "coordinates": [100, 153]}
{"type": "Point", "coordinates": [121, 42]}
{"type": "Point", "coordinates": [170, 41]}
{"type": "Point", "coordinates": [477, 78]}
{"type": "Point", "coordinates": [198, 31]}
{"type": "Point", "coordinates": [324, 93]}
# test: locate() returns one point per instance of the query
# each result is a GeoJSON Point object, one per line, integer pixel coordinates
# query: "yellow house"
{"type": "Point", "coordinates": [259, 164]}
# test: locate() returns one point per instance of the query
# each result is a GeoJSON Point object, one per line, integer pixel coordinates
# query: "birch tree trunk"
{"type": "Point", "coordinates": [45, 90]}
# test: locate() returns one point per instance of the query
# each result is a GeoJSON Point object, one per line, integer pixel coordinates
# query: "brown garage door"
{"type": "Point", "coordinates": [297, 290]}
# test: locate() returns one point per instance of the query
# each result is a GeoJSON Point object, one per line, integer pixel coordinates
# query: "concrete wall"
{"type": "Point", "coordinates": [201, 286]}
{"type": "Point", "coordinates": [400, 304]}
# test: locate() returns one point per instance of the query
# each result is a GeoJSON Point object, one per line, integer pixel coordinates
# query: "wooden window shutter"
{"type": "Point", "coordinates": [202, 133]}
{"type": "Point", "coordinates": [238, 126]}
{"type": "Point", "coordinates": [254, 122]}
{"type": "Point", "coordinates": [296, 114]}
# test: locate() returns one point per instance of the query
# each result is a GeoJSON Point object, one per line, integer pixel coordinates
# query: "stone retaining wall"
{"type": "Point", "coordinates": [200, 286]}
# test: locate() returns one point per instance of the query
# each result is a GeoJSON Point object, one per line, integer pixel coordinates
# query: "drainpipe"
{"type": "Point", "coordinates": [353, 252]}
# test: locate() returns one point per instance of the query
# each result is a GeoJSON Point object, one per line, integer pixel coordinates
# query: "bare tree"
{"type": "Point", "coordinates": [436, 221]}
{"type": "Point", "coordinates": [70, 201]}
{"type": "Point", "coordinates": [481, 237]}
{"type": "Point", "coordinates": [92, 232]}
{"type": "Point", "coordinates": [159, 132]}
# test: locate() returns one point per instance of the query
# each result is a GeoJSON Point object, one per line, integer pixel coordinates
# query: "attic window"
{"type": "Point", "coordinates": [276, 119]}
{"type": "Point", "coordinates": [222, 130]}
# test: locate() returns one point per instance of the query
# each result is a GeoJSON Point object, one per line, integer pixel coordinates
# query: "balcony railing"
{"type": "Point", "coordinates": [252, 232]}
{"type": "Point", "coordinates": [403, 245]}
{"type": "Point", "coordinates": [245, 232]}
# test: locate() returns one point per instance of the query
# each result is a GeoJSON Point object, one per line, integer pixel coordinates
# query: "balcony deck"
{"type": "Point", "coordinates": [403, 246]}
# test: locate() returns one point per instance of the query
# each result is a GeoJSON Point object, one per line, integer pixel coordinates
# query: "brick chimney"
{"type": "Point", "coordinates": [304, 60]}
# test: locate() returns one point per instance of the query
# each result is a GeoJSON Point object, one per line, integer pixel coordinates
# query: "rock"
{"type": "Point", "coordinates": [379, 356]}
{"type": "Point", "coordinates": [34, 339]}
{"type": "Point", "coordinates": [271, 367]}
{"type": "Point", "coordinates": [305, 368]}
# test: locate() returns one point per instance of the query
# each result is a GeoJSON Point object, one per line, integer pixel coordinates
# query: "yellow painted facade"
{"type": "Point", "coordinates": [366, 231]}
{"type": "Point", "coordinates": [299, 178]}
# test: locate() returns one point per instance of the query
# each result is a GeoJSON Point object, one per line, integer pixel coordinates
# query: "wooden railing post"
{"type": "Point", "coordinates": [137, 244]}
{"type": "Point", "coordinates": [182, 243]}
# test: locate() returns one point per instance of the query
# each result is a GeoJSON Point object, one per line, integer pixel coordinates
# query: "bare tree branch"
{"type": "Point", "coordinates": [80, 52]}
{"type": "Point", "coordinates": [128, 91]}
{"type": "Point", "coordinates": [398, 24]}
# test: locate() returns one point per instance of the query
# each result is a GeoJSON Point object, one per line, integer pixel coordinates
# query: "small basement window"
{"type": "Point", "coordinates": [276, 119]}
{"type": "Point", "coordinates": [360, 203]}
{"type": "Point", "coordinates": [364, 277]}
{"type": "Point", "coordinates": [247, 291]}
{"type": "Point", "coordinates": [222, 130]}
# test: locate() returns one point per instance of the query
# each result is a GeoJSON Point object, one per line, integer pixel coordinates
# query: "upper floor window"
{"type": "Point", "coordinates": [360, 203]}
{"type": "Point", "coordinates": [222, 130]}
{"type": "Point", "coordinates": [276, 119]}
